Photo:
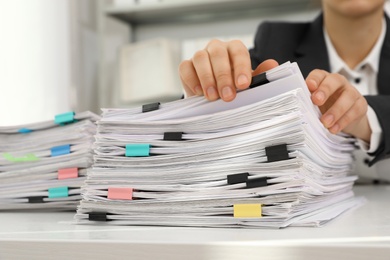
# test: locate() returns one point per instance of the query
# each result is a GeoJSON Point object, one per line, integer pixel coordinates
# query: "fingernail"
{"type": "Point", "coordinates": [328, 119]}
{"type": "Point", "coordinates": [242, 80]}
{"type": "Point", "coordinates": [320, 96]}
{"type": "Point", "coordinates": [212, 93]}
{"type": "Point", "coordinates": [335, 129]}
{"type": "Point", "coordinates": [198, 90]}
{"type": "Point", "coordinates": [227, 93]}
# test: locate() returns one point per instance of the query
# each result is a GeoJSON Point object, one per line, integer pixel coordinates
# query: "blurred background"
{"type": "Point", "coordinates": [63, 55]}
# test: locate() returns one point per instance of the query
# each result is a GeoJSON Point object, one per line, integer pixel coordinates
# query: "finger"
{"type": "Point", "coordinates": [314, 79]}
{"type": "Point", "coordinates": [345, 101]}
{"type": "Point", "coordinates": [240, 63]}
{"type": "Point", "coordinates": [355, 113]}
{"type": "Point", "coordinates": [264, 66]}
{"type": "Point", "coordinates": [328, 86]}
{"type": "Point", "coordinates": [220, 63]}
{"type": "Point", "coordinates": [187, 90]}
{"type": "Point", "coordinates": [201, 62]}
{"type": "Point", "coordinates": [189, 78]}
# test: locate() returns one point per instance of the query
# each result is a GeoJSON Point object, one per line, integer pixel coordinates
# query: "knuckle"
{"type": "Point", "coordinates": [317, 75]}
{"type": "Point", "coordinates": [317, 71]}
{"type": "Point", "coordinates": [325, 87]}
{"type": "Point", "coordinates": [223, 77]}
{"type": "Point", "coordinates": [339, 77]}
{"type": "Point", "coordinates": [364, 102]}
{"type": "Point", "coordinates": [356, 94]}
{"type": "Point", "coordinates": [342, 85]}
{"type": "Point", "coordinates": [200, 55]}
{"type": "Point", "coordinates": [362, 105]}
{"type": "Point", "coordinates": [184, 66]}
{"type": "Point", "coordinates": [214, 42]}
{"type": "Point", "coordinates": [218, 51]}
{"type": "Point", "coordinates": [237, 44]}
{"type": "Point", "coordinates": [352, 92]}
{"type": "Point", "coordinates": [239, 53]}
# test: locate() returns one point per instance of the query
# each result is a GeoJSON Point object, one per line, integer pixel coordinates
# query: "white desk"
{"type": "Point", "coordinates": [363, 233]}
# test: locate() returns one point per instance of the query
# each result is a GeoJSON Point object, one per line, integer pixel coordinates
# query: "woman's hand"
{"type": "Point", "coordinates": [219, 70]}
{"type": "Point", "coordinates": [343, 107]}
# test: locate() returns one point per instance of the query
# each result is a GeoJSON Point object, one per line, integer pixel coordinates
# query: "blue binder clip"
{"type": "Point", "coordinates": [60, 150]}
{"type": "Point", "coordinates": [137, 150]}
{"type": "Point", "coordinates": [58, 192]}
{"type": "Point", "coordinates": [65, 118]}
{"type": "Point", "coordinates": [24, 130]}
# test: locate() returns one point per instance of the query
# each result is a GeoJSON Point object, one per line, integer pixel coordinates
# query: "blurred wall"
{"type": "Point", "coordinates": [88, 38]}
{"type": "Point", "coordinates": [35, 77]}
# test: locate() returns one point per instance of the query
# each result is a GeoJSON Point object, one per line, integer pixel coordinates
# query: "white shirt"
{"type": "Point", "coordinates": [364, 78]}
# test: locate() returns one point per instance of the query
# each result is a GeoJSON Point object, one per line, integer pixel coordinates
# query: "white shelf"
{"type": "Point", "coordinates": [202, 10]}
{"type": "Point", "coordinates": [176, 19]}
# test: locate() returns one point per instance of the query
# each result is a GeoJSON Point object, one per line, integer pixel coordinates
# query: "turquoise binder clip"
{"type": "Point", "coordinates": [24, 130]}
{"type": "Point", "coordinates": [65, 118]}
{"type": "Point", "coordinates": [58, 192]}
{"type": "Point", "coordinates": [60, 150]}
{"type": "Point", "coordinates": [137, 150]}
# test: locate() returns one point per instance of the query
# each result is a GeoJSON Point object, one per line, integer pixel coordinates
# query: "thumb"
{"type": "Point", "coordinates": [264, 66]}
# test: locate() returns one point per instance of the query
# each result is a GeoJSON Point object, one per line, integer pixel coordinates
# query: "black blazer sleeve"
{"type": "Point", "coordinates": [381, 106]}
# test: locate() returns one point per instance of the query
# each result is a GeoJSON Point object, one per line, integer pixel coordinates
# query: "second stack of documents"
{"type": "Point", "coordinates": [43, 165]}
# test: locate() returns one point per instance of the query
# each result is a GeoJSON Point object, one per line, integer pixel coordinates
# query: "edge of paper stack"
{"type": "Point", "coordinates": [262, 160]}
{"type": "Point", "coordinates": [44, 164]}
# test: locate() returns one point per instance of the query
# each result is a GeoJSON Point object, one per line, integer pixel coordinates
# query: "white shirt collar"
{"type": "Point", "coordinates": [372, 59]}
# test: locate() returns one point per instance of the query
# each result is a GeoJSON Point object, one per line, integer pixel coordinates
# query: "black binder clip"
{"type": "Point", "coordinates": [35, 199]}
{"type": "Point", "coordinates": [173, 136]}
{"type": "Point", "coordinates": [276, 153]}
{"type": "Point", "coordinates": [97, 216]}
{"type": "Point", "coordinates": [258, 80]}
{"type": "Point", "coordinates": [258, 182]}
{"type": "Point", "coordinates": [150, 107]}
{"type": "Point", "coordinates": [237, 178]}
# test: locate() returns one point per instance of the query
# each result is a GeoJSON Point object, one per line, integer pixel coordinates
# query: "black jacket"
{"type": "Point", "coordinates": [304, 43]}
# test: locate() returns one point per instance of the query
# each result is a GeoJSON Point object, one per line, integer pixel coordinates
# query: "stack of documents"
{"type": "Point", "coordinates": [43, 165]}
{"type": "Point", "coordinates": [262, 160]}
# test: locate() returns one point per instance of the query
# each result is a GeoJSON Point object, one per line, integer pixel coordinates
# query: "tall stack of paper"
{"type": "Point", "coordinates": [43, 165]}
{"type": "Point", "coordinates": [262, 160]}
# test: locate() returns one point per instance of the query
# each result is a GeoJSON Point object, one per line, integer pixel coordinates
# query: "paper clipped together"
{"type": "Point", "coordinates": [262, 160]}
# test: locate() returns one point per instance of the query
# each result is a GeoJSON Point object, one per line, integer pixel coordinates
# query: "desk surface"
{"type": "Point", "coordinates": [358, 234]}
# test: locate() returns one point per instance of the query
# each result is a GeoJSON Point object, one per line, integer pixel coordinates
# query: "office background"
{"type": "Point", "coordinates": [61, 55]}
{"type": "Point", "coordinates": [64, 55]}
